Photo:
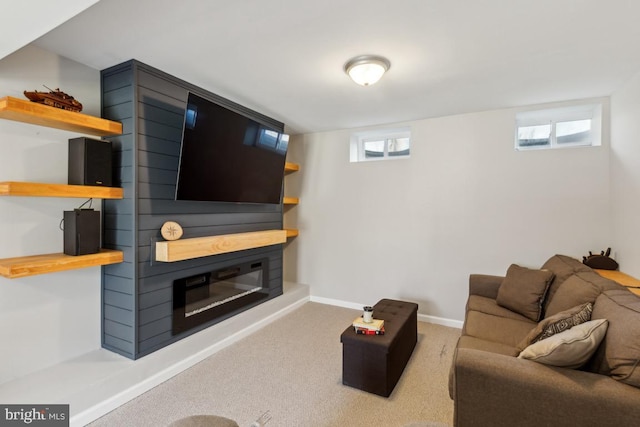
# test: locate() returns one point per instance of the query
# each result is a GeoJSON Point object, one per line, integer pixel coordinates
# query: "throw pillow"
{"type": "Point", "coordinates": [619, 354]}
{"type": "Point", "coordinates": [557, 323]}
{"type": "Point", "coordinates": [569, 349]}
{"type": "Point", "coordinates": [523, 290]}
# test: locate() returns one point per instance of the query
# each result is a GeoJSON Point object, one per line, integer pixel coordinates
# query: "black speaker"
{"type": "Point", "coordinates": [90, 162]}
{"type": "Point", "coordinates": [81, 232]}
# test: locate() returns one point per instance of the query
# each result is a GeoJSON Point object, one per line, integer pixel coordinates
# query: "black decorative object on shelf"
{"type": "Point", "coordinates": [601, 262]}
{"type": "Point", "coordinates": [90, 162]}
{"type": "Point", "coordinates": [81, 232]}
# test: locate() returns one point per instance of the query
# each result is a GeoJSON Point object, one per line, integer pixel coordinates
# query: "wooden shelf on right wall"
{"type": "Point", "coordinates": [292, 232]}
{"type": "Point", "coordinates": [291, 167]}
{"type": "Point", "coordinates": [291, 201]}
{"type": "Point", "coordinates": [630, 282]}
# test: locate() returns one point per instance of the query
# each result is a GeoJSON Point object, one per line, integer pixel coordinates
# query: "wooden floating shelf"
{"type": "Point", "coordinates": [50, 263]}
{"type": "Point", "coordinates": [35, 189]}
{"type": "Point", "coordinates": [43, 115]}
{"type": "Point", "coordinates": [291, 167]}
{"type": "Point", "coordinates": [292, 232]}
{"type": "Point", "coordinates": [290, 200]}
{"type": "Point", "coordinates": [197, 247]}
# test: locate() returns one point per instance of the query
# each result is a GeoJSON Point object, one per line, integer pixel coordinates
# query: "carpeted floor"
{"type": "Point", "coordinates": [293, 369]}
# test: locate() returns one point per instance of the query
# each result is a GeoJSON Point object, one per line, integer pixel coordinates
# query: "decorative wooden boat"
{"type": "Point", "coordinates": [55, 98]}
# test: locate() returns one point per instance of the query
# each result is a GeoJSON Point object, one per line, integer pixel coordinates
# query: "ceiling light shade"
{"type": "Point", "coordinates": [367, 69]}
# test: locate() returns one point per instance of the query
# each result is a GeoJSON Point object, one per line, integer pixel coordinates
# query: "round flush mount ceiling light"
{"type": "Point", "coordinates": [366, 69]}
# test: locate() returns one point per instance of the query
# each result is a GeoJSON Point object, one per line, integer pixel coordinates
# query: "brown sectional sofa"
{"type": "Point", "coordinates": [491, 386]}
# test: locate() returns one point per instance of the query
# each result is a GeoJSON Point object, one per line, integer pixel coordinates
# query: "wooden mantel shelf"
{"type": "Point", "coordinates": [51, 263]}
{"type": "Point", "coordinates": [43, 115]}
{"type": "Point", "coordinates": [35, 189]}
{"type": "Point", "coordinates": [197, 247]}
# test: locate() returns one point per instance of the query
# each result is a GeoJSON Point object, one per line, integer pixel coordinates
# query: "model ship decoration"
{"type": "Point", "coordinates": [602, 261]}
{"type": "Point", "coordinates": [55, 98]}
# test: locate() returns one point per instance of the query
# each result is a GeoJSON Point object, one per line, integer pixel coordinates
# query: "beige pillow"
{"type": "Point", "coordinates": [557, 323]}
{"type": "Point", "coordinates": [569, 349]}
{"type": "Point", "coordinates": [523, 290]}
{"type": "Point", "coordinates": [619, 354]}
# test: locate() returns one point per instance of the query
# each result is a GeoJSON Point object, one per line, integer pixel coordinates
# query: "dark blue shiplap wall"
{"type": "Point", "coordinates": [137, 294]}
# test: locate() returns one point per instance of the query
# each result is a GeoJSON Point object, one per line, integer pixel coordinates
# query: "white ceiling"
{"type": "Point", "coordinates": [25, 20]}
{"type": "Point", "coordinates": [285, 58]}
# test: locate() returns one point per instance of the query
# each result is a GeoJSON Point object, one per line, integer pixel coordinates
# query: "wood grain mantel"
{"type": "Point", "coordinates": [198, 247]}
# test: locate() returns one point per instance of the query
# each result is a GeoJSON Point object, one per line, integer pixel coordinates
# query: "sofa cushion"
{"type": "Point", "coordinates": [491, 327]}
{"type": "Point", "coordinates": [619, 354]}
{"type": "Point", "coordinates": [523, 290]}
{"type": "Point", "coordinates": [558, 323]}
{"type": "Point", "coordinates": [562, 266]}
{"type": "Point", "coordinates": [580, 288]}
{"type": "Point", "coordinates": [490, 306]}
{"type": "Point", "coordinates": [474, 343]}
{"type": "Point", "coordinates": [569, 349]}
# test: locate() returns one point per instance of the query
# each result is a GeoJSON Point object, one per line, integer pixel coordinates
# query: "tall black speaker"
{"type": "Point", "coordinates": [90, 162]}
{"type": "Point", "coordinates": [81, 232]}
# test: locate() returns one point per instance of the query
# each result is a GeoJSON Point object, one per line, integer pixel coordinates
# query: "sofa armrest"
{"type": "Point", "coordinates": [497, 390]}
{"type": "Point", "coordinates": [485, 285]}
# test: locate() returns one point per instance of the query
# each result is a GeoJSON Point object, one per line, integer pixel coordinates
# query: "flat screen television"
{"type": "Point", "coordinates": [228, 157]}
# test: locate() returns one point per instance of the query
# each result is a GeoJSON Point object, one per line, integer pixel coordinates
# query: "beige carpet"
{"type": "Point", "coordinates": [293, 369]}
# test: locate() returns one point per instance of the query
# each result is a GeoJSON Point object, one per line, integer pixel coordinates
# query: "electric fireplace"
{"type": "Point", "coordinates": [203, 297]}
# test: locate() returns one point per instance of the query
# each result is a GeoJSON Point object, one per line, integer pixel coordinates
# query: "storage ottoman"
{"type": "Point", "coordinates": [374, 363]}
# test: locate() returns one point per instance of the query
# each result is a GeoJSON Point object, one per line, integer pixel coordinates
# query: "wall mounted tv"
{"type": "Point", "coordinates": [228, 157]}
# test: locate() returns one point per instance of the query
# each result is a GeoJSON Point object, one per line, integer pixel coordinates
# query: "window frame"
{"type": "Point", "coordinates": [553, 116]}
{"type": "Point", "coordinates": [358, 140]}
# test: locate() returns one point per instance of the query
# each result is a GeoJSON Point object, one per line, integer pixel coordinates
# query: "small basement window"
{"type": "Point", "coordinates": [382, 144]}
{"type": "Point", "coordinates": [575, 126]}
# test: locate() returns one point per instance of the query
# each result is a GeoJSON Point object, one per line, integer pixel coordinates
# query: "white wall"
{"type": "Point", "coordinates": [625, 175]}
{"type": "Point", "coordinates": [465, 202]}
{"type": "Point", "coordinates": [47, 318]}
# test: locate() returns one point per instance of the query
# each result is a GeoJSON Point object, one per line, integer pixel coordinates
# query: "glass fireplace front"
{"type": "Point", "coordinates": [207, 296]}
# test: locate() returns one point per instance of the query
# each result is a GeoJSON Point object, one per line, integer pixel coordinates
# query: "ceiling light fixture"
{"type": "Point", "coordinates": [366, 69]}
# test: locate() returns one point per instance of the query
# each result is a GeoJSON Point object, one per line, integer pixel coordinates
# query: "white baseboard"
{"type": "Point", "coordinates": [440, 321]}
{"type": "Point", "coordinates": [336, 302]}
{"type": "Point", "coordinates": [357, 306]}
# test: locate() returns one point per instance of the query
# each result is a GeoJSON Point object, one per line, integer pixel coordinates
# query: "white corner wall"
{"type": "Point", "coordinates": [49, 318]}
{"type": "Point", "coordinates": [625, 175]}
{"type": "Point", "coordinates": [465, 202]}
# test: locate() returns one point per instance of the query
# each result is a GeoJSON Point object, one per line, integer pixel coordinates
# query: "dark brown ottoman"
{"type": "Point", "coordinates": [374, 363]}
